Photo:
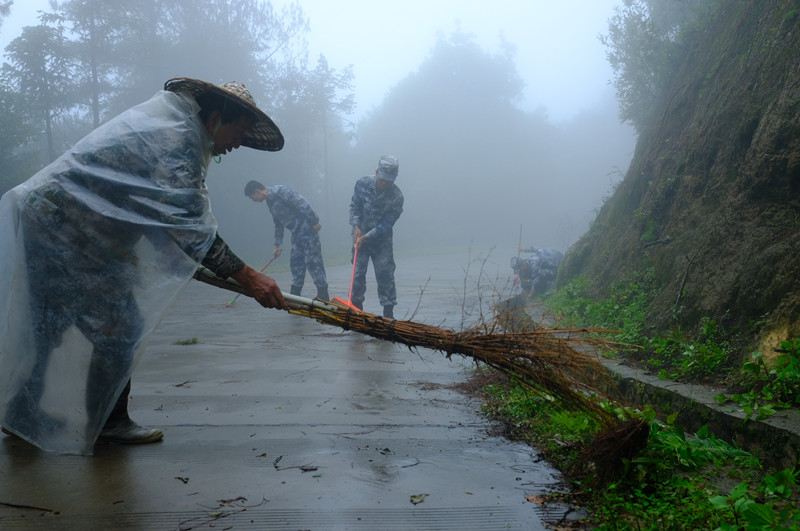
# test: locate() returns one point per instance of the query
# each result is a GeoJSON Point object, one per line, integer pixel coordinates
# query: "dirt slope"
{"type": "Point", "coordinates": [718, 177]}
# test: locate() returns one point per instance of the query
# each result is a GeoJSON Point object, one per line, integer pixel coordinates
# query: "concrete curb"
{"type": "Point", "coordinates": [774, 440]}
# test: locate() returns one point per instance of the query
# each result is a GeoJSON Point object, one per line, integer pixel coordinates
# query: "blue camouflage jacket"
{"type": "Point", "coordinates": [289, 210]}
{"type": "Point", "coordinates": [375, 213]}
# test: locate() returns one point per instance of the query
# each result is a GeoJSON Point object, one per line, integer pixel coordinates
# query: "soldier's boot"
{"type": "Point", "coordinates": [120, 429]}
{"type": "Point", "coordinates": [295, 290]}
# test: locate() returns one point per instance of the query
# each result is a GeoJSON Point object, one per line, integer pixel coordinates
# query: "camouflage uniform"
{"type": "Point", "coordinates": [292, 211]}
{"type": "Point", "coordinates": [375, 213]}
{"type": "Point", "coordinates": [540, 272]}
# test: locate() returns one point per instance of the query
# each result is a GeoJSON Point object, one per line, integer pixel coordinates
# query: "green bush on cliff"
{"type": "Point", "coordinates": [679, 355]}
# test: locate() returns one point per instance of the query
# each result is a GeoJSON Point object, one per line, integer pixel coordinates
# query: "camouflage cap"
{"type": "Point", "coordinates": [388, 167]}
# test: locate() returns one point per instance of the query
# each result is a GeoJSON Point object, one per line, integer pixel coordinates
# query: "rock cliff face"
{"type": "Point", "coordinates": [715, 181]}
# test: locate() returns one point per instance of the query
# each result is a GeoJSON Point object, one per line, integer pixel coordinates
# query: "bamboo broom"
{"type": "Point", "coordinates": [552, 363]}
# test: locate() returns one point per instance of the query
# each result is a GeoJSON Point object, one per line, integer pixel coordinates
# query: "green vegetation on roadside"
{"type": "Point", "coordinates": [710, 354]}
{"type": "Point", "coordinates": [679, 480]}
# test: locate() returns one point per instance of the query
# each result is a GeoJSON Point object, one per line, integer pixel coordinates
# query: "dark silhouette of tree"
{"type": "Point", "coordinates": [331, 98]}
{"type": "Point", "coordinates": [5, 10]}
{"type": "Point", "coordinates": [17, 156]}
{"type": "Point", "coordinates": [215, 40]}
{"type": "Point", "coordinates": [643, 43]}
{"type": "Point", "coordinates": [97, 25]}
{"type": "Point", "coordinates": [126, 50]}
{"type": "Point", "coordinates": [41, 71]}
{"type": "Point", "coordinates": [457, 93]}
{"type": "Point", "coordinates": [312, 106]}
{"type": "Point", "coordinates": [454, 126]}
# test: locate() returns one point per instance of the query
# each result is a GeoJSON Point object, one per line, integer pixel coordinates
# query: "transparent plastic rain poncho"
{"type": "Point", "coordinates": [93, 249]}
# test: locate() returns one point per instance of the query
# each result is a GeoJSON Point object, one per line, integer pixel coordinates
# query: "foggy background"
{"type": "Point", "coordinates": [502, 115]}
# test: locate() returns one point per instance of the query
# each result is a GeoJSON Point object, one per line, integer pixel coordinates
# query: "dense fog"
{"type": "Point", "coordinates": [484, 193]}
{"type": "Point", "coordinates": [480, 175]}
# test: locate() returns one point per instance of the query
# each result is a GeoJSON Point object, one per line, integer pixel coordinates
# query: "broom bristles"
{"type": "Point", "coordinates": [543, 360]}
{"type": "Point", "coordinates": [553, 363]}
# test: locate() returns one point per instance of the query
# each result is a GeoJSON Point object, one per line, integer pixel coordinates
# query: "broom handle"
{"type": "Point", "coordinates": [230, 303]}
{"type": "Point", "coordinates": [294, 301]}
{"type": "Point", "coordinates": [298, 302]}
{"type": "Point", "coordinates": [353, 276]}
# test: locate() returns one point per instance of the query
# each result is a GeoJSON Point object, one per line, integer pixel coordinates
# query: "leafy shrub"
{"type": "Point", "coordinates": [769, 388]}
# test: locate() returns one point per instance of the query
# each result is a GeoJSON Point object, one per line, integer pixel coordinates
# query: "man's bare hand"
{"type": "Point", "coordinates": [261, 287]}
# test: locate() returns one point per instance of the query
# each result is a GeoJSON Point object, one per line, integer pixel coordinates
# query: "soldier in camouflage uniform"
{"type": "Point", "coordinates": [539, 272]}
{"type": "Point", "coordinates": [292, 211]}
{"type": "Point", "coordinates": [374, 208]}
{"type": "Point", "coordinates": [103, 240]}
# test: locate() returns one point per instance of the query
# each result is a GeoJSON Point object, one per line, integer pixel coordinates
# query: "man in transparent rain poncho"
{"type": "Point", "coordinates": [97, 245]}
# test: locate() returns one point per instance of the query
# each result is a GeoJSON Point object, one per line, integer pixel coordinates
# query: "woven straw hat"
{"type": "Point", "coordinates": [264, 134]}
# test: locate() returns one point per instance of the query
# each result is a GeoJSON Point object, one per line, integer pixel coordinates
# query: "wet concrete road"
{"type": "Point", "coordinates": [274, 421]}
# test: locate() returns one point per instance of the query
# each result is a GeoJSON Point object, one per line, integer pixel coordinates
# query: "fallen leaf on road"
{"type": "Point", "coordinates": [418, 498]}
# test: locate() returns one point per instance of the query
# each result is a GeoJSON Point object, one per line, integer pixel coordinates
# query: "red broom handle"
{"type": "Point", "coordinates": [353, 276]}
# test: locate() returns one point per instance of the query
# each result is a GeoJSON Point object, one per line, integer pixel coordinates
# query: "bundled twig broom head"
{"type": "Point", "coordinates": [554, 363]}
